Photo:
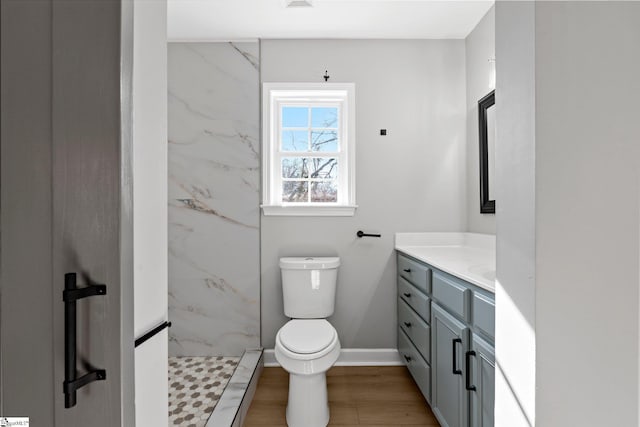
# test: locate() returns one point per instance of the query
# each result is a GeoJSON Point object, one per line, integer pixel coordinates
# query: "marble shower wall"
{"type": "Point", "coordinates": [214, 182]}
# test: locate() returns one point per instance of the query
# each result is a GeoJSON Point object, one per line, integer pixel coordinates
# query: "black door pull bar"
{"type": "Point", "coordinates": [70, 295]}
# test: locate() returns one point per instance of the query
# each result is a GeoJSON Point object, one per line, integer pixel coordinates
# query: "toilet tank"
{"type": "Point", "coordinates": [309, 286]}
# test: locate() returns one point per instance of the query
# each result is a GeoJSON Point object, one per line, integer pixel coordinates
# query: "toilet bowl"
{"type": "Point", "coordinates": [307, 348]}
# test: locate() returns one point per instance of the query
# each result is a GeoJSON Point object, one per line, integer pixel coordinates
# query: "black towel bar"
{"type": "Point", "coordinates": [152, 332]}
{"type": "Point", "coordinates": [361, 233]}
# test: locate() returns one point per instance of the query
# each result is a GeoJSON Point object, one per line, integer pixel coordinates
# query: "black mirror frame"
{"type": "Point", "coordinates": [486, 205]}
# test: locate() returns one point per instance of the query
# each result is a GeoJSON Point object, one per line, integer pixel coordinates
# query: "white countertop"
{"type": "Point", "coordinates": [469, 256]}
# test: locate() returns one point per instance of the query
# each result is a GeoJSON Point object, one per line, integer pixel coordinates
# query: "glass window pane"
{"type": "Point", "coordinates": [295, 117]}
{"type": "Point", "coordinates": [324, 117]}
{"type": "Point", "coordinates": [295, 167]}
{"type": "Point", "coordinates": [295, 191]}
{"type": "Point", "coordinates": [324, 140]}
{"type": "Point", "coordinates": [325, 191]}
{"type": "Point", "coordinates": [323, 167]}
{"type": "Point", "coordinates": [295, 140]}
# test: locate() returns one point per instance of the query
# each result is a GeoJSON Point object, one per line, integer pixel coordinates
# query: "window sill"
{"type": "Point", "coordinates": [280, 210]}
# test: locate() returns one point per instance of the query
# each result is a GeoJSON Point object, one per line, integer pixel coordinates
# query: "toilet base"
{"type": "Point", "coordinates": [308, 404]}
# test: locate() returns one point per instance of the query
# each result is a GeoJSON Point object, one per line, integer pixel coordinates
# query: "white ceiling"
{"type": "Point", "coordinates": [201, 20]}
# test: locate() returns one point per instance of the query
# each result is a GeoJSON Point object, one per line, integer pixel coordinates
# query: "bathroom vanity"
{"type": "Point", "coordinates": [446, 322]}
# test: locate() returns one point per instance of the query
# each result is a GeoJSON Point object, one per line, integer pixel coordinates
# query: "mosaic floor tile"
{"type": "Point", "coordinates": [195, 386]}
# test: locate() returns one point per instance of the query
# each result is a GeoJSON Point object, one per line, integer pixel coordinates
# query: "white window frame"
{"type": "Point", "coordinates": [276, 95]}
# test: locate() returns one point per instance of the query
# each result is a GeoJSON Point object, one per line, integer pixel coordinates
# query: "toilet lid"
{"type": "Point", "coordinates": [305, 336]}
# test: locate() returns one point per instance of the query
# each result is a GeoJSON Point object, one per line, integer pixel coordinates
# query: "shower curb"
{"type": "Point", "coordinates": [236, 398]}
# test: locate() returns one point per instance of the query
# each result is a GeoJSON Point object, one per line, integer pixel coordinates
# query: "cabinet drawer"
{"type": "Point", "coordinates": [452, 295]}
{"type": "Point", "coordinates": [418, 367]}
{"type": "Point", "coordinates": [416, 273]}
{"type": "Point", "coordinates": [416, 299]}
{"type": "Point", "coordinates": [484, 314]}
{"type": "Point", "coordinates": [415, 328]}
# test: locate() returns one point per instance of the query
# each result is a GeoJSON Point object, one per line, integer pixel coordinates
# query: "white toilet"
{"type": "Point", "coordinates": [307, 346]}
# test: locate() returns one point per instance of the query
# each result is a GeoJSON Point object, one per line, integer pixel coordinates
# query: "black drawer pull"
{"type": "Point", "coordinates": [454, 353]}
{"type": "Point", "coordinates": [468, 355]}
{"type": "Point", "coordinates": [407, 358]}
{"type": "Point", "coordinates": [407, 294]}
{"type": "Point", "coordinates": [407, 270]}
{"type": "Point", "coordinates": [407, 324]}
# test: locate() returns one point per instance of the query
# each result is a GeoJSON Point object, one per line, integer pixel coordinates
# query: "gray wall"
{"type": "Point", "coordinates": [413, 179]}
{"type": "Point", "coordinates": [480, 47]}
{"type": "Point", "coordinates": [214, 287]}
{"type": "Point", "coordinates": [568, 249]}
{"type": "Point", "coordinates": [587, 209]}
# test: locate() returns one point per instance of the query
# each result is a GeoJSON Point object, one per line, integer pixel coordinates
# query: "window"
{"type": "Point", "coordinates": [309, 149]}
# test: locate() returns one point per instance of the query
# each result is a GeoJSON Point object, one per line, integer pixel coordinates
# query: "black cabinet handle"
{"type": "Point", "coordinates": [70, 295]}
{"type": "Point", "coordinates": [407, 294]}
{"type": "Point", "coordinates": [407, 324]}
{"type": "Point", "coordinates": [407, 270]}
{"type": "Point", "coordinates": [467, 368]}
{"type": "Point", "coordinates": [407, 358]}
{"type": "Point", "coordinates": [454, 353]}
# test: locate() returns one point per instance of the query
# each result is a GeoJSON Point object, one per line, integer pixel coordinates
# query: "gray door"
{"type": "Point", "coordinates": [482, 362]}
{"type": "Point", "coordinates": [66, 204]}
{"type": "Point", "coordinates": [449, 343]}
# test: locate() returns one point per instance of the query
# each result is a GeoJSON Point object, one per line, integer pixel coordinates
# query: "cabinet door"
{"type": "Point", "coordinates": [449, 341]}
{"type": "Point", "coordinates": [481, 363]}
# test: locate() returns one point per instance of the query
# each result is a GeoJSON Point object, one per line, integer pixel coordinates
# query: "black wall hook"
{"type": "Point", "coordinates": [326, 75]}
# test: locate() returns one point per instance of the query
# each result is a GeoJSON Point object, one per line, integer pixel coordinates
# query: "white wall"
{"type": "Point", "coordinates": [150, 208]}
{"type": "Point", "coordinates": [587, 204]}
{"type": "Point", "coordinates": [515, 215]}
{"type": "Point", "coordinates": [412, 179]}
{"type": "Point", "coordinates": [480, 80]}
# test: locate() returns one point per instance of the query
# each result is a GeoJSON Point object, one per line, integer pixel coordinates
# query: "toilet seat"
{"type": "Point", "coordinates": [307, 336]}
{"type": "Point", "coordinates": [298, 336]}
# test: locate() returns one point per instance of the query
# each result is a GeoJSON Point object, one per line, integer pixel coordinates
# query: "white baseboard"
{"type": "Point", "coordinates": [353, 357]}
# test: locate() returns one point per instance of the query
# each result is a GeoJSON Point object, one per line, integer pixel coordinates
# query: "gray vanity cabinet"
{"type": "Point", "coordinates": [445, 337]}
{"type": "Point", "coordinates": [449, 398]}
{"type": "Point", "coordinates": [481, 362]}
{"type": "Point", "coordinates": [414, 318]}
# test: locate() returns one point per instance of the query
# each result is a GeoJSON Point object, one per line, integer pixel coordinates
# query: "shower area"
{"type": "Point", "coordinates": [214, 219]}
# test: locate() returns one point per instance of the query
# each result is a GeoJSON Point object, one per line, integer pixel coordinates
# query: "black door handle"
{"type": "Point", "coordinates": [407, 358]}
{"type": "Point", "coordinates": [407, 270]}
{"type": "Point", "coordinates": [467, 368]}
{"type": "Point", "coordinates": [70, 295]}
{"type": "Point", "coordinates": [454, 353]}
{"type": "Point", "coordinates": [407, 324]}
{"type": "Point", "coordinates": [406, 294]}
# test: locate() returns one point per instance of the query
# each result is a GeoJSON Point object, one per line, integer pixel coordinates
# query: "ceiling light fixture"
{"type": "Point", "coordinates": [298, 3]}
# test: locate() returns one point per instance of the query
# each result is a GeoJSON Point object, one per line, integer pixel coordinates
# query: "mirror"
{"type": "Point", "coordinates": [487, 122]}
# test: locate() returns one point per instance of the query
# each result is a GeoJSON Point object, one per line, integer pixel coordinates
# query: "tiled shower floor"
{"type": "Point", "coordinates": [195, 386]}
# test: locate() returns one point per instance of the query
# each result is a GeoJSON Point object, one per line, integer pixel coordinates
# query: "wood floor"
{"type": "Point", "coordinates": [358, 396]}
